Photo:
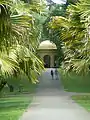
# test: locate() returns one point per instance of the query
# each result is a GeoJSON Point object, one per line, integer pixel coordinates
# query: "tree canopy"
{"type": "Point", "coordinates": [19, 37]}
{"type": "Point", "coordinates": [75, 34]}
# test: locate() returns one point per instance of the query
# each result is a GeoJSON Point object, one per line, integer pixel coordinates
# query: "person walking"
{"type": "Point", "coordinates": [52, 74]}
{"type": "Point", "coordinates": [56, 74]}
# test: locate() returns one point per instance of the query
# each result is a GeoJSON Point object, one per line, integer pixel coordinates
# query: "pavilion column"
{"type": "Point", "coordinates": [52, 61]}
{"type": "Point", "coordinates": [42, 57]}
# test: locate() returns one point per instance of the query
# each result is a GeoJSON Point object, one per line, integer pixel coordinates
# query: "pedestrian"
{"type": "Point", "coordinates": [52, 74]}
{"type": "Point", "coordinates": [56, 74]}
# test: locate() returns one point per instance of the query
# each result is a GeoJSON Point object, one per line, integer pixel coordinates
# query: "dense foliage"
{"type": "Point", "coordinates": [52, 34]}
{"type": "Point", "coordinates": [19, 38]}
{"type": "Point", "coordinates": [75, 34]}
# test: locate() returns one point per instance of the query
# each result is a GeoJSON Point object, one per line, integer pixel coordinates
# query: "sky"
{"type": "Point", "coordinates": [59, 1]}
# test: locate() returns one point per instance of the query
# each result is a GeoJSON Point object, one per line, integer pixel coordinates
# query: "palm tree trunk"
{"type": "Point", "coordinates": [2, 84]}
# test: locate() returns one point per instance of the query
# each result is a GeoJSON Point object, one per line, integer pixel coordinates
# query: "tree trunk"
{"type": "Point", "coordinates": [2, 84]}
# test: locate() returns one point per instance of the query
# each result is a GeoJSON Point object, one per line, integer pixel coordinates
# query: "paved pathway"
{"type": "Point", "coordinates": [52, 103]}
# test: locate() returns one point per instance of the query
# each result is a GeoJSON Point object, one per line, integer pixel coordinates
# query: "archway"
{"type": "Point", "coordinates": [47, 61]}
{"type": "Point", "coordinates": [47, 50]}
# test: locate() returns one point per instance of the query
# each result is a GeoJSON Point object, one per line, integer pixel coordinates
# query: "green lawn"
{"type": "Point", "coordinates": [79, 84]}
{"type": "Point", "coordinates": [75, 83]}
{"type": "Point", "coordinates": [83, 100]}
{"type": "Point", "coordinates": [12, 108]}
{"type": "Point", "coordinates": [13, 104]}
{"type": "Point", "coordinates": [27, 86]}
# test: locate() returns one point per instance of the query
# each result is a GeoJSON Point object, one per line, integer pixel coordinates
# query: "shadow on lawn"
{"type": "Point", "coordinates": [73, 82]}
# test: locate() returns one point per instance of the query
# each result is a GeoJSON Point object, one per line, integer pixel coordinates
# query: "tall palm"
{"type": "Point", "coordinates": [18, 40]}
{"type": "Point", "coordinates": [75, 35]}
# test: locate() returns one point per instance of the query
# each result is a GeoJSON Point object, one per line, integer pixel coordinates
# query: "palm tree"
{"type": "Point", "coordinates": [75, 34]}
{"type": "Point", "coordinates": [18, 40]}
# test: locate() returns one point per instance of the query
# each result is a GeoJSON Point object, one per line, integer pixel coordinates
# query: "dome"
{"type": "Point", "coordinates": [47, 45]}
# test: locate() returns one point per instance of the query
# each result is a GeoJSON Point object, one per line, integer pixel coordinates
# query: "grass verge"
{"type": "Point", "coordinates": [75, 83]}
{"type": "Point", "coordinates": [11, 108]}
{"type": "Point", "coordinates": [83, 100]}
{"type": "Point", "coordinates": [13, 104]}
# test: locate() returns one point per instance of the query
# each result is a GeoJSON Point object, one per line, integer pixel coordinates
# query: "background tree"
{"type": "Point", "coordinates": [54, 35]}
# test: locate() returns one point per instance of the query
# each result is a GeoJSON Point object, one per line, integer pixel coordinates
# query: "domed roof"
{"type": "Point", "coordinates": [47, 45]}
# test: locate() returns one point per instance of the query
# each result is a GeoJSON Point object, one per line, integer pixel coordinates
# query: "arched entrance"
{"type": "Point", "coordinates": [46, 61]}
{"type": "Point", "coordinates": [47, 50]}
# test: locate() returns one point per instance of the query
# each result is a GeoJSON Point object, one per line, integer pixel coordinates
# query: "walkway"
{"type": "Point", "coordinates": [52, 103]}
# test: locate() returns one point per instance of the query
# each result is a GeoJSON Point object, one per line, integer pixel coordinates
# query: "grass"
{"type": "Point", "coordinates": [13, 107]}
{"type": "Point", "coordinates": [27, 86]}
{"type": "Point", "coordinates": [13, 104]}
{"type": "Point", "coordinates": [75, 83]}
{"type": "Point", "coordinates": [83, 100]}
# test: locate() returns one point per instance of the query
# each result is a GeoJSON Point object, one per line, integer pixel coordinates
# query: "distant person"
{"type": "Point", "coordinates": [56, 74]}
{"type": "Point", "coordinates": [52, 74]}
